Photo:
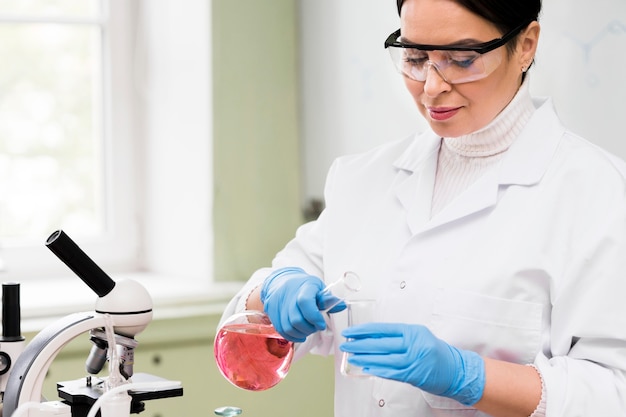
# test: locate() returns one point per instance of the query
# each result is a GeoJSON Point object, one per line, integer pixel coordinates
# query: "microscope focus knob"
{"type": "Point", "coordinates": [5, 363]}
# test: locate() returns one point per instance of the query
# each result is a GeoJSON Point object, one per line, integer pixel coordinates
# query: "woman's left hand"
{"type": "Point", "coordinates": [412, 354]}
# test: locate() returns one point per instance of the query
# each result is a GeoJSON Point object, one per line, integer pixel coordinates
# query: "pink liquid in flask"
{"type": "Point", "coordinates": [250, 353]}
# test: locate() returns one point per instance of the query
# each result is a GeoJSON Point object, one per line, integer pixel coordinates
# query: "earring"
{"type": "Point", "coordinates": [526, 66]}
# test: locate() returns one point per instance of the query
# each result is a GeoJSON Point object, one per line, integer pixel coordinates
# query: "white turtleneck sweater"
{"type": "Point", "coordinates": [462, 160]}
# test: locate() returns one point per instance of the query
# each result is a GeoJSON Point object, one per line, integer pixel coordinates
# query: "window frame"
{"type": "Point", "coordinates": [117, 246]}
{"type": "Point", "coordinates": [143, 242]}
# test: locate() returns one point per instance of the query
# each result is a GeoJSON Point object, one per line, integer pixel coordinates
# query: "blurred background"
{"type": "Point", "coordinates": [182, 143]}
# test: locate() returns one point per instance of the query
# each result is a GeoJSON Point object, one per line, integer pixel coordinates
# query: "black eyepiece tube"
{"type": "Point", "coordinates": [78, 261]}
{"type": "Point", "coordinates": [11, 312]}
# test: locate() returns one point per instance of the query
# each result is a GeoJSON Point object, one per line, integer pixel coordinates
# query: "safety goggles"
{"type": "Point", "coordinates": [456, 64]}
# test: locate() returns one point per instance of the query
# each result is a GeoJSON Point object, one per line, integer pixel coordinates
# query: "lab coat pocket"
{"type": "Point", "coordinates": [497, 328]}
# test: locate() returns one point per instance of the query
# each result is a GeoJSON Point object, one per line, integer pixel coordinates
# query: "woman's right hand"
{"type": "Point", "coordinates": [289, 299]}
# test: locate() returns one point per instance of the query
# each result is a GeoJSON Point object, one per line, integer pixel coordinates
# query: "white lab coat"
{"type": "Point", "coordinates": [528, 265]}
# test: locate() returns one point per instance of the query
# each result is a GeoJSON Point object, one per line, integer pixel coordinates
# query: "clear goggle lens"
{"type": "Point", "coordinates": [454, 67]}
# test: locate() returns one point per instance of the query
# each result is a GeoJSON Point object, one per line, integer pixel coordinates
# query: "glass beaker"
{"type": "Point", "coordinates": [337, 292]}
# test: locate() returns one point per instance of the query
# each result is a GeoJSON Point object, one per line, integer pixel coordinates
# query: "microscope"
{"type": "Point", "coordinates": [123, 309]}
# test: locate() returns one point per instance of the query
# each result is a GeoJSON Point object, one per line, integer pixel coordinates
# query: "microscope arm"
{"type": "Point", "coordinates": [27, 377]}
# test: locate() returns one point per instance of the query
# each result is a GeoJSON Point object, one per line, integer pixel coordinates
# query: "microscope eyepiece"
{"type": "Point", "coordinates": [78, 261]}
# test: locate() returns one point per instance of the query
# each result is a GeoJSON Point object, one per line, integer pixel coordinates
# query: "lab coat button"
{"type": "Point", "coordinates": [402, 285]}
{"type": "Point", "coordinates": [381, 403]}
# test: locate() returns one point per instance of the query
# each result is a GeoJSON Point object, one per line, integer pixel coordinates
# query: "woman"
{"type": "Point", "coordinates": [494, 243]}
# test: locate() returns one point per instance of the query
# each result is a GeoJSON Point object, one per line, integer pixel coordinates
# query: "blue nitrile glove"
{"type": "Point", "coordinates": [412, 354]}
{"type": "Point", "coordinates": [289, 297]}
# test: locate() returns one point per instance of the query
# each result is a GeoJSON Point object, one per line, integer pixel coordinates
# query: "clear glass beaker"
{"type": "Point", "coordinates": [336, 292]}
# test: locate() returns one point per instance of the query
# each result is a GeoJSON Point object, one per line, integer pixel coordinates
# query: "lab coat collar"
{"type": "Point", "coordinates": [424, 147]}
{"type": "Point", "coordinates": [415, 179]}
{"type": "Point", "coordinates": [524, 164]}
{"type": "Point", "coordinates": [529, 156]}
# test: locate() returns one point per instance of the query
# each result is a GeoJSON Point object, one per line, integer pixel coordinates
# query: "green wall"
{"type": "Point", "coordinates": [256, 177]}
{"type": "Point", "coordinates": [257, 183]}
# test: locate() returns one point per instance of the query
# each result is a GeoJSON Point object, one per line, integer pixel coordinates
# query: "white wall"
{"type": "Point", "coordinates": [352, 98]}
{"type": "Point", "coordinates": [580, 63]}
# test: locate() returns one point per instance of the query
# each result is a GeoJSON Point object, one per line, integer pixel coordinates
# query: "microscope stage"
{"type": "Point", "coordinates": [82, 393]}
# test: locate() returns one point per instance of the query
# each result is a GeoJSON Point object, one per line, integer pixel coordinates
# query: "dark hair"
{"type": "Point", "coordinates": [504, 14]}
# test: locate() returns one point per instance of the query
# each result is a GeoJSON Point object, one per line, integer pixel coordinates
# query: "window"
{"type": "Point", "coordinates": [51, 120]}
{"type": "Point", "coordinates": [112, 144]}
{"type": "Point", "coordinates": [57, 131]}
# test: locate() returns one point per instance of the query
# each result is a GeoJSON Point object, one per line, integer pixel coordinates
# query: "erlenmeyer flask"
{"type": "Point", "coordinates": [250, 353]}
